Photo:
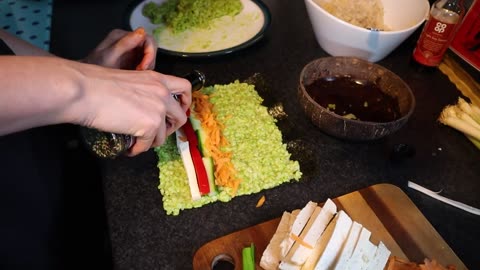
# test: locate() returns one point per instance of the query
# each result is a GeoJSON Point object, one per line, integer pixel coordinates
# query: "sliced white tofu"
{"type": "Point", "coordinates": [297, 227]}
{"type": "Point", "coordinates": [184, 150]}
{"type": "Point", "coordinates": [380, 258]}
{"type": "Point", "coordinates": [363, 253]}
{"type": "Point", "coordinates": [286, 263]}
{"type": "Point", "coordinates": [271, 257]}
{"type": "Point", "coordinates": [325, 238]}
{"type": "Point", "coordinates": [334, 246]}
{"type": "Point", "coordinates": [313, 230]}
{"type": "Point", "coordinates": [349, 245]}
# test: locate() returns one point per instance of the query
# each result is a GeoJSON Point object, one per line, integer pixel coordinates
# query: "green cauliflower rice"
{"type": "Point", "coordinates": [181, 15]}
{"type": "Point", "coordinates": [259, 154]}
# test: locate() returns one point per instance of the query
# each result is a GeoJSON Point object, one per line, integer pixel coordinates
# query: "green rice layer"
{"type": "Point", "coordinates": [181, 15]}
{"type": "Point", "coordinates": [259, 154]}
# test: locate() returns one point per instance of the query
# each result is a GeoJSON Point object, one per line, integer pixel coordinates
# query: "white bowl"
{"type": "Point", "coordinates": [339, 38]}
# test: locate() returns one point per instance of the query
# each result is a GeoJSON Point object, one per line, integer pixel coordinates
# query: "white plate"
{"type": "Point", "coordinates": [227, 34]}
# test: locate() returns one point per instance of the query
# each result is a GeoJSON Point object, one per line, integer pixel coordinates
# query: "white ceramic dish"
{"type": "Point", "coordinates": [227, 34]}
{"type": "Point", "coordinates": [339, 38]}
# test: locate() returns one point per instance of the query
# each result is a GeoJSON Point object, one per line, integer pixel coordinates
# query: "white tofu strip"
{"type": "Point", "coordinates": [380, 259]}
{"type": "Point", "coordinates": [320, 238]}
{"type": "Point", "coordinates": [184, 150]}
{"type": "Point", "coordinates": [297, 227]}
{"type": "Point", "coordinates": [320, 246]}
{"type": "Point", "coordinates": [271, 256]}
{"type": "Point", "coordinates": [347, 249]}
{"type": "Point", "coordinates": [313, 230]}
{"type": "Point", "coordinates": [337, 240]}
{"type": "Point", "coordinates": [362, 248]}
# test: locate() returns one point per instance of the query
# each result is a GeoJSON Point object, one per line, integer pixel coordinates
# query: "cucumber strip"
{"type": "Point", "coordinates": [201, 136]}
{"type": "Point", "coordinates": [209, 167]}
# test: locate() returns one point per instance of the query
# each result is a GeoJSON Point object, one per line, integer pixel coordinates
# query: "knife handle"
{"type": "Point", "coordinates": [111, 145]}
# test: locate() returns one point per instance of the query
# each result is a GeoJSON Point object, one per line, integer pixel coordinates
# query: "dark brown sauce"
{"type": "Point", "coordinates": [345, 95]}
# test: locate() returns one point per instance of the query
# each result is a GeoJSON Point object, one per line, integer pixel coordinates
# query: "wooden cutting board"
{"type": "Point", "coordinates": [384, 209]}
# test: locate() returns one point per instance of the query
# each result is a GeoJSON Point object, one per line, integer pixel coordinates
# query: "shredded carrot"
{"type": "Point", "coordinates": [300, 241]}
{"type": "Point", "coordinates": [225, 173]}
{"type": "Point", "coordinates": [261, 201]}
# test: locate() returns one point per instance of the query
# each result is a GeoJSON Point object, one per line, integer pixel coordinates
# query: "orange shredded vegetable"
{"type": "Point", "coordinates": [261, 201]}
{"type": "Point", "coordinates": [225, 173]}
{"type": "Point", "coordinates": [300, 241]}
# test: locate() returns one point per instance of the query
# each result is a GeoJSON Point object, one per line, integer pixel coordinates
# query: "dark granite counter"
{"type": "Point", "coordinates": [144, 237]}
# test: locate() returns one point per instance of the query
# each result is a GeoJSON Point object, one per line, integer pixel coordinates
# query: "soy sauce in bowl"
{"type": "Point", "coordinates": [354, 98]}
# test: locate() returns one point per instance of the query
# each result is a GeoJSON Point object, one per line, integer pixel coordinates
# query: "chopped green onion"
{"type": "Point", "coordinates": [248, 257]}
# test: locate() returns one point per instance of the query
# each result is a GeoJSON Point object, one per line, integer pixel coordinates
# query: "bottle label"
{"type": "Point", "coordinates": [433, 42]}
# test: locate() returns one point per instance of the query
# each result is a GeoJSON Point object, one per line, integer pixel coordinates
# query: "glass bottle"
{"type": "Point", "coordinates": [438, 32]}
{"type": "Point", "coordinates": [110, 145]}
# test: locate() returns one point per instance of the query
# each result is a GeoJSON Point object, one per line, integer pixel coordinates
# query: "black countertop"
{"type": "Point", "coordinates": [144, 237]}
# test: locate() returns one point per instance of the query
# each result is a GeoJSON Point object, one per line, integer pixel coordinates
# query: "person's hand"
{"type": "Point", "coordinates": [137, 103]}
{"type": "Point", "coordinates": [125, 50]}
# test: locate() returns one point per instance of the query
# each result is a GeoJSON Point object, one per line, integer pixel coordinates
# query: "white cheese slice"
{"type": "Point", "coordinates": [347, 249]}
{"type": "Point", "coordinates": [363, 252]}
{"type": "Point", "coordinates": [297, 227]}
{"type": "Point", "coordinates": [334, 246]}
{"type": "Point", "coordinates": [271, 257]}
{"type": "Point", "coordinates": [380, 259]}
{"type": "Point", "coordinates": [184, 150]}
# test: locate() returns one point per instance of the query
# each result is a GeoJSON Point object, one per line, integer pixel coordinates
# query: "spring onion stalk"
{"type": "Point", "coordinates": [248, 257]}
{"type": "Point", "coordinates": [464, 117]}
{"type": "Point", "coordinates": [474, 141]}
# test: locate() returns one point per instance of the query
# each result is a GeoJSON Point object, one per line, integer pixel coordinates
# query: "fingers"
{"type": "Point", "coordinates": [144, 143]}
{"type": "Point", "coordinates": [168, 117]}
{"type": "Point", "coordinates": [125, 50]}
{"type": "Point", "coordinates": [129, 42]}
{"type": "Point", "coordinates": [149, 54]}
{"type": "Point", "coordinates": [111, 38]}
{"type": "Point", "coordinates": [174, 119]}
{"type": "Point", "coordinates": [180, 87]}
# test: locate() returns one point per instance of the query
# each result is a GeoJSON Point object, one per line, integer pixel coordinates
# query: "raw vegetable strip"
{"type": "Point", "coordinates": [248, 257]}
{"type": "Point", "coordinates": [202, 178]}
{"type": "Point", "coordinates": [224, 169]}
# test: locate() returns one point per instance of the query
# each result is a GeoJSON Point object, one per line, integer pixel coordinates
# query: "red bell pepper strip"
{"type": "Point", "coordinates": [202, 177]}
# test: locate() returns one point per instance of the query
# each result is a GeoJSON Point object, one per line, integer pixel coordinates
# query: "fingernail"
{"type": "Point", "coordinates": [140, 31]}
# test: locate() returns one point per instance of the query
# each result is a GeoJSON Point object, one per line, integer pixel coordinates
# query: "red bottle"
{"type": "Point", "coordinates": [438, 32]}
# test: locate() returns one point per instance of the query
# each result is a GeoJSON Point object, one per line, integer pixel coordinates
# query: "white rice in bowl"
{"type": "Point", "coordinates": [362, 13]}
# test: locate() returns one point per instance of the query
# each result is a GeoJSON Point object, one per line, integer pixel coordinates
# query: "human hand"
{"type": "Point", "coordinates": [125, 50]}
{"type": "Point", "coordinates": [137, 103]}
